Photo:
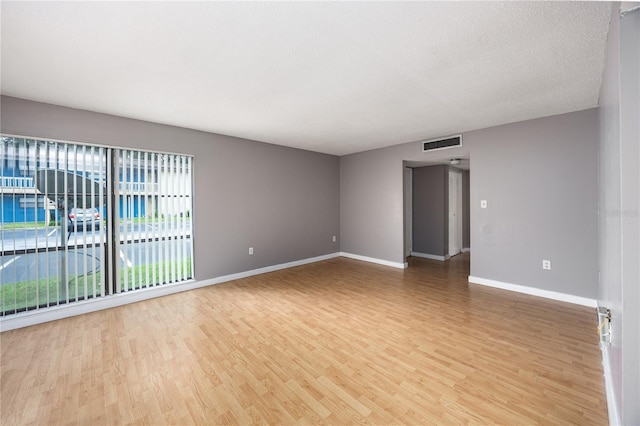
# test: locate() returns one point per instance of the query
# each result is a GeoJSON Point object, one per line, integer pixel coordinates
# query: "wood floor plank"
{"type": "Point", "coordinates": [334, 342]}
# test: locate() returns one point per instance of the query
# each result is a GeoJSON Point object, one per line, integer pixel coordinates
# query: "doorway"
{"type": "Point", "coordinates": [426, 207]}
{"type": "Point", "coordinates": [455, 213]}
{"type": "Point", "coordinates": [408, 211]}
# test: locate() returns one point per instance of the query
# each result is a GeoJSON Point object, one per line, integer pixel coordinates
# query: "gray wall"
{"type": "Point", "coordinates": [371, 205]}
{"type": "Point", "coordinates": [540, 180]}
{"type": "Point", "coordinates": [284, 202]}
{"type": "Point", "coordinates": [430, 210]}
{"type": "Point", "coordinates": [619, 195]}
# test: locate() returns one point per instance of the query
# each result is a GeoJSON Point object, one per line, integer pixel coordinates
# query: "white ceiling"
{"type": "Point", "coordinates": [331, 77]}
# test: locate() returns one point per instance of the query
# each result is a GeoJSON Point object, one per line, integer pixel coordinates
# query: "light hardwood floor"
{"type": "Point", "coordinates": [335, 342]}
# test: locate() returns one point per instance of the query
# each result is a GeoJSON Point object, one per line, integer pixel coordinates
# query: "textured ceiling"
{"type": "Point", "coordinates": [330, 77]}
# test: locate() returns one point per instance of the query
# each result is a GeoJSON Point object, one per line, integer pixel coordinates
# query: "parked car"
{"type": "Point", "coordinates": [84, 219]}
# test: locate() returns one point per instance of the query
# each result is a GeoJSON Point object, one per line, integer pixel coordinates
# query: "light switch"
{"type": "Point", "coordinates": [483, 204]}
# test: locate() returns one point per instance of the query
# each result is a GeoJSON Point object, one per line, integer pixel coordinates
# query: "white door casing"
{"type": "Point", "coordinates": [408, 211]}
{"type": "Point", "coordinates": [455, 213]}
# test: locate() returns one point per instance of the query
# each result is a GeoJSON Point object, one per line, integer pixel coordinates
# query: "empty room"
{"type": "Point", "coordinates": [319, 213]}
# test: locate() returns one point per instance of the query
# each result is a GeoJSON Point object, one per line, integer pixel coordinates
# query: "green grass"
{"type": "Point", "coordinates": [151, 220]}
{"type": "Point", "coordinates": [27, 225]}
{"type": "Point", "coordinates": [136, 277]}
{"type": "Point", "coordinates": [17, 297]}
{"type": "Point", "coordinates": [32, 293]}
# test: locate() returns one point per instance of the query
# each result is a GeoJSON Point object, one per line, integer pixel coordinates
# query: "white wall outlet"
{"type": "Point", "coordinates": [483, 204]}
{"type": "Point", "coordinates": [546, 264]}
{"type": "Point", "coordinates": [334, 238]}
{"type": "Point", "coordinates": [250, 251]}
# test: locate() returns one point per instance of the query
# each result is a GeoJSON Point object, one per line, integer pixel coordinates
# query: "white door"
{"type": "Point", "coordinates": [455, 213]}
{"type": "Point", "coordinates": [408, 211]}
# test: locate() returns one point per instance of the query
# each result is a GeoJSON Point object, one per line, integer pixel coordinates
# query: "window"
{"type": "Point", "coordinates": [80, 222]}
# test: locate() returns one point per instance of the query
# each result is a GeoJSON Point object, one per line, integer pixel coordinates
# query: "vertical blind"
{"type": "Point", "coordinates": [80, 222]}
{"type": "Point", "coordinates": [155, 219]}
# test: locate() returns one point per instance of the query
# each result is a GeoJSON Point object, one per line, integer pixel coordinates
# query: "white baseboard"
{"type": "Point", "coordinates": [614, 419]}
{"type": "Point", "coordinates": [466, 249]}
{"type": "Point", "coordinates": [374, 260]}
{"type": "Point", "coordinates": [25, 319]}
{"type": "Point", "coordinates": [429, 256]}
{"type": "Point", "coordinates": [272, 268]}
{"type": "Point", "coordinates": [578, 300]}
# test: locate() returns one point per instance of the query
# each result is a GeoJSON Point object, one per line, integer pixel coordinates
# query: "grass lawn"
{"type": "Point", "coordinates": [27, 225]}
{"type": "Point", "coordinates": [27, 295]}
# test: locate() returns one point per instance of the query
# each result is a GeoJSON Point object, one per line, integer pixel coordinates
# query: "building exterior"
{"type": "Point", "coordinates": [146, 185]}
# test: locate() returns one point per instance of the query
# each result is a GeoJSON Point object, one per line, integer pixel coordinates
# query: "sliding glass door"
{"type": "Point", "coordinates": [80, 222]}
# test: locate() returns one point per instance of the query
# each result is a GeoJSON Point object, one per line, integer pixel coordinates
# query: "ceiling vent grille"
{"type": "Point", "coordinates": [450, 142]}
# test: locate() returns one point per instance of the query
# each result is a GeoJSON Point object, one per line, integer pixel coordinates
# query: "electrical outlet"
{"type": "Point", "coordinates": [334, 238]}
{"type": "Point", "coordinates": [546, 264]}
{"type": "Point", "coordinates": [250, 251]}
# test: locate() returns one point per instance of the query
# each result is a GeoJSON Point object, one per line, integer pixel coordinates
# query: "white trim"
{"type": "Point", "coordinates": [374, 260]}
{"type": "Point", "coordinates": [454, 231]}
{"type": "Point", "coordinates": [408, 210]}
{"type": "Point", "coordinates": [272, 268]}
{"type": "Point", "coordinates": [430, 256]}
{"type": "Point", "coordinates": [466, 249]}
{"type": "Point", "coordinates": [26, 319]}
{"type": "Point", "coordinates": [570, 298]}
{"type": "Point", "coordinates": [614, 419]}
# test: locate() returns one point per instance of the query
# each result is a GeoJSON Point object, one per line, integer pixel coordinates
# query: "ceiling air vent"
{"type": "Point", "coordinates": [450, 142]}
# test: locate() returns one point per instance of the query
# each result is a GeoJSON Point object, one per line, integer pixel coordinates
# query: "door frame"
{"type": "Point", "coordinates": [455, 238]}
{"type": "Point", "coordinates": [408, 211]}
